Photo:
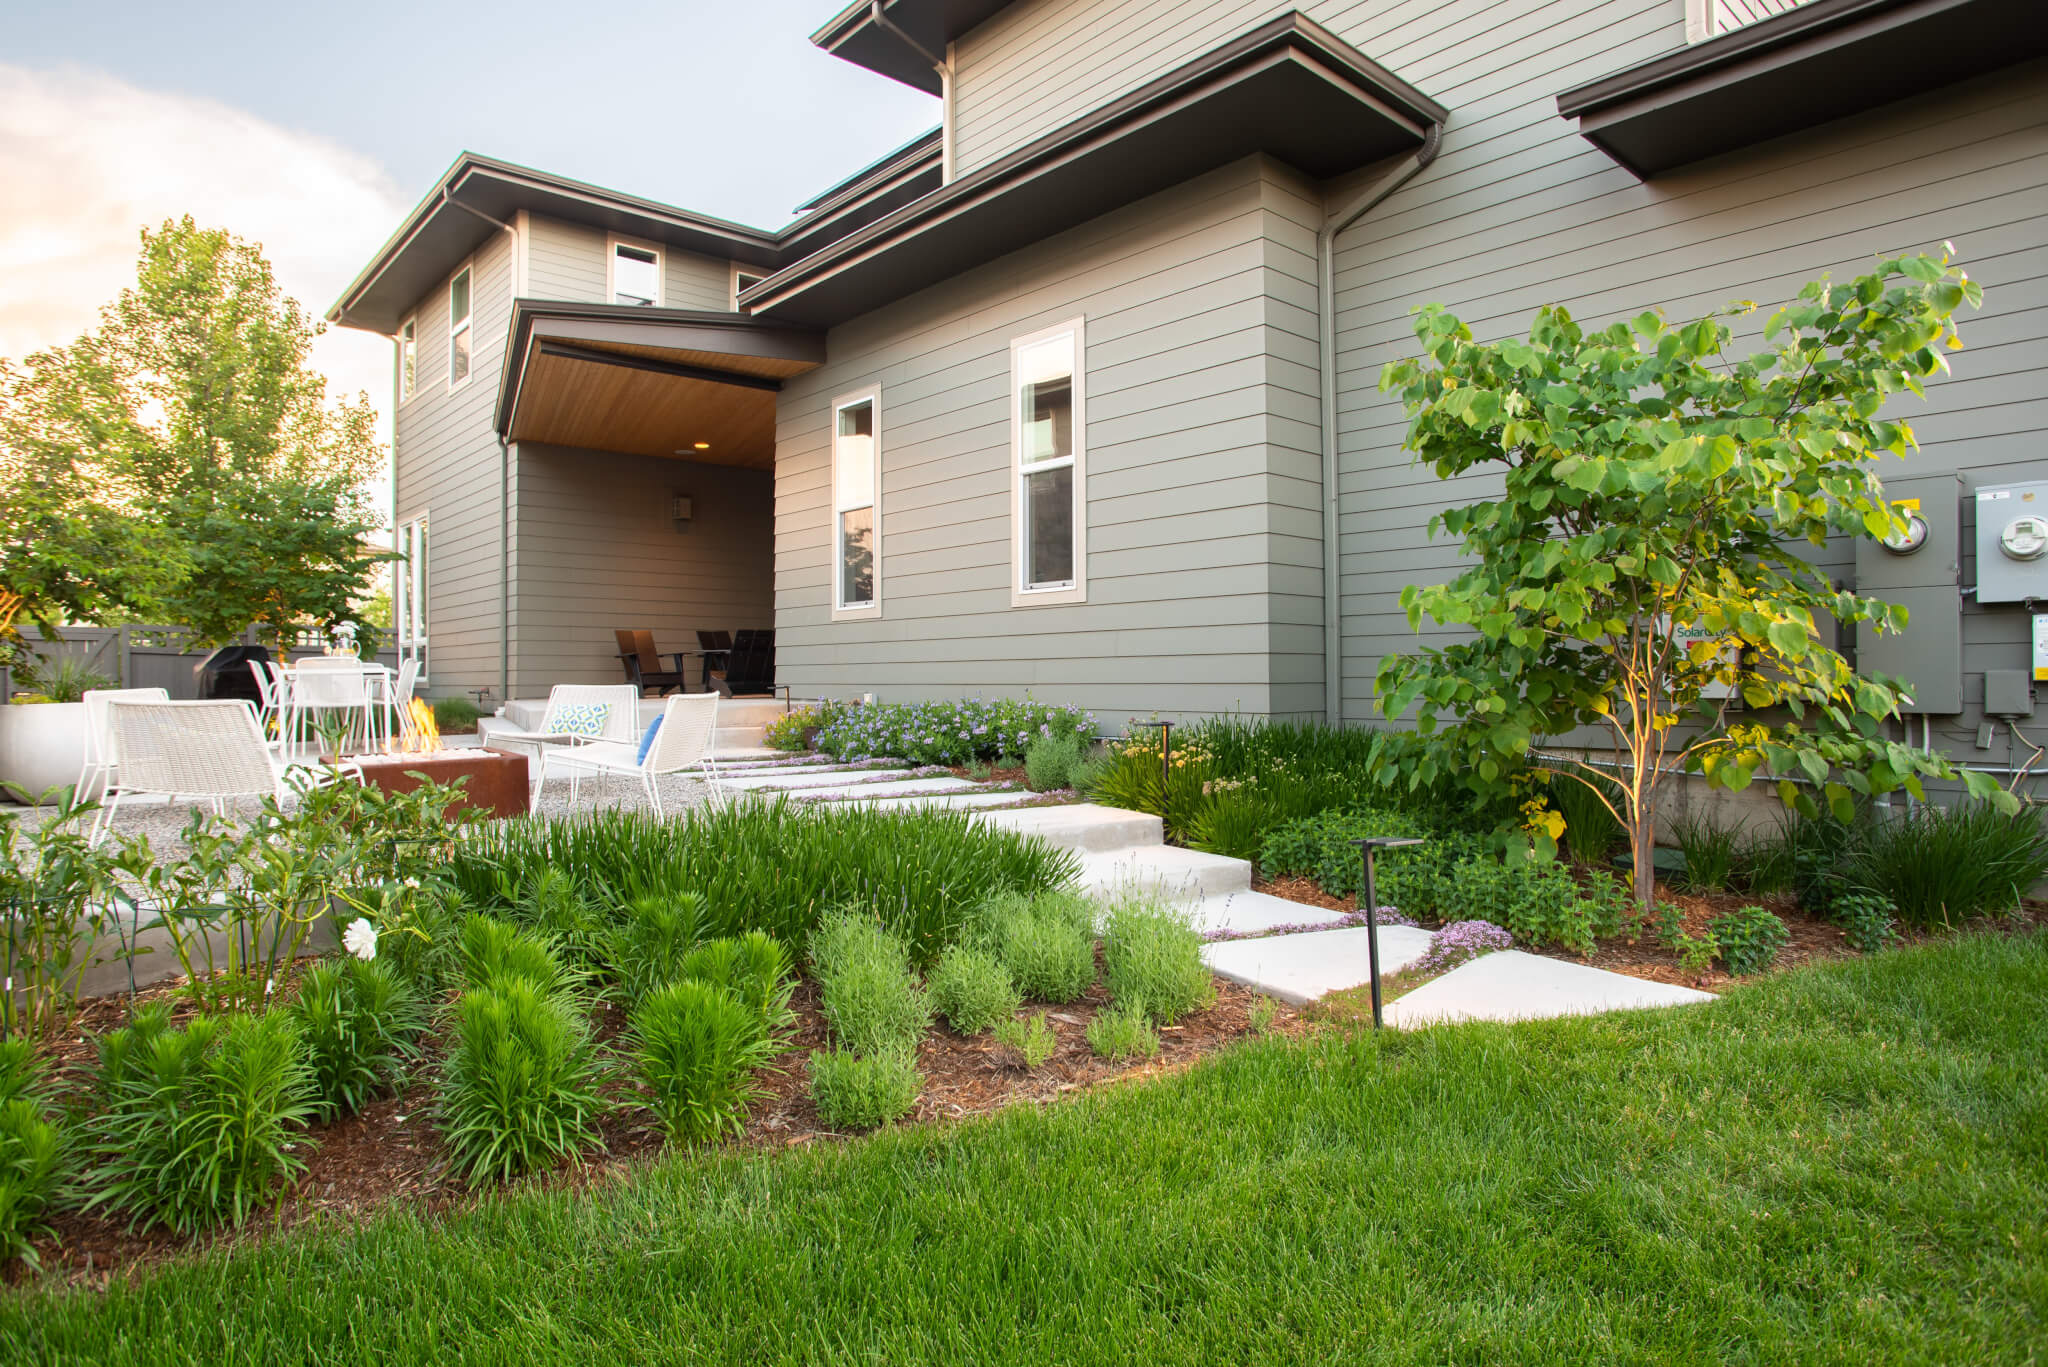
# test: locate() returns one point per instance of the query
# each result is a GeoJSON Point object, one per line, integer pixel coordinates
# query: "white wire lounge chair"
{"type": "Point", "coordinates": [579, 714]}
{"type": "Point", "coordinates": [689, 721]}
{"type": "Point", "coordinates": [213, 751]}
{"type": "Point", "coordinates": [102, 753]}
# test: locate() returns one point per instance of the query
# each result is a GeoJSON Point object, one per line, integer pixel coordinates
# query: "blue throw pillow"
{"type": "Point", "coordinates": [647, 740]}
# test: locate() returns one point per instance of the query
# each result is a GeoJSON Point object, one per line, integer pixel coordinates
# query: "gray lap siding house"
{"type": "Point", "coordinates": [1204, 498]}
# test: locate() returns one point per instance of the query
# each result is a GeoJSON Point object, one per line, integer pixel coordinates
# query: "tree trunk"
{"type": "Point", "coordinates": [1642, 850]}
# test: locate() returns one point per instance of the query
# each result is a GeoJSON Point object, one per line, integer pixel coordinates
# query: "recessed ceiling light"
{"type": "Point", "coordinates": [702, 445]}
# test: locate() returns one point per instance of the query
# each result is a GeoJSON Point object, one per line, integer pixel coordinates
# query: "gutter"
{"type": "Point", "coordinates": [1326, 310]}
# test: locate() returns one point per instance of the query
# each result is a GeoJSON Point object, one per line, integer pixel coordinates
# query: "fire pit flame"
{"type": "Point", "coordinates": [420, 735]}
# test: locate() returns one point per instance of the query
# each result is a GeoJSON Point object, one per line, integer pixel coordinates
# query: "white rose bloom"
{"type": "Point", "coordinates": [360, 939]}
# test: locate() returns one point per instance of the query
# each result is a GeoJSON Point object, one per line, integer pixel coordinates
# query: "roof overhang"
{"type": "Point", "coordinates": [478, 195]}
{"type": "Point", "coordinates": [931, 24]}
{"type": "Point", "coordinates": [655, 382]}
{"type": "Point", "coordinates": [909, 173]}
{"type": "Point", "coordinates": [1287, 88]}
{"type": "Point", "coordinates": [1823, 60]}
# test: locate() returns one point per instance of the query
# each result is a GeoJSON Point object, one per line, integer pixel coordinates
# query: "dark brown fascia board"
{"type": "Point", "coordinates": [908, 180]}
{"type": "Point", "coordinates": [852, 35]}
{"type": "Point", "coordinates": [472, 178]}
{"type": "Point", "coordinates": [593, 356]}
{"type": "Point", "coordinates": [565, 324]}
{"type": "Point", "coordinates": [924, 147]}
{"type": "Point", "coordinates": [1774, 49]}
{"type": "Point", "coordinates": [1288, 33]}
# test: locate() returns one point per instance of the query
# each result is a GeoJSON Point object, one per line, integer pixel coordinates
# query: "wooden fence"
{"type": "Point", "coordinates": [150, 656]}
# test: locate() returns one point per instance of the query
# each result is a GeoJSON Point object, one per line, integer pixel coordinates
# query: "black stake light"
{"type": "Point", "coordinates": [1165, 755]}
{"type": "Point", "coordinates": [1366, 849]}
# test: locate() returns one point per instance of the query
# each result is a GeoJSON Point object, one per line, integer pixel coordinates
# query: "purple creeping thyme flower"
{"type": "Point", "coordinates": [1460, 942]}
{"type": "Point", "coordinates": [1388, 916]}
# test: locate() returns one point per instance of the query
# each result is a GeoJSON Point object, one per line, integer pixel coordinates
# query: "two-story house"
{"type": "Point", "coordinates": [1078, 394]}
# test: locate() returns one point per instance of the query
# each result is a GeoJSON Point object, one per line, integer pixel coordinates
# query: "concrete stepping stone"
{"type": "Point", "coordinates": [1083, 826]}
{"type": "Point", "coordinates": [815, 778]}
{"type": "Point", "coordinates": [897, 788]}
{"type": "Point", "coordinates": [1254, 912]}
{"type": "Point", "coordinates": [1301, 968]}
{"type": "Point", "coordinates": [1164, 870]}
{"type": "Point", "coordinates": [1510, 986]}
{"type": "Point", "coordinates": [964, 799]}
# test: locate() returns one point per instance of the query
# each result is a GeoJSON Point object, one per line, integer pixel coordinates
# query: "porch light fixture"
{"type": "Point", "coordinates": [680, 508]}
{"type": "Point", "coordinates": [1366, 849]}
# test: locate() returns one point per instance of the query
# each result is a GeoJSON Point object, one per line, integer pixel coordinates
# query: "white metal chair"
{"type": "Point", "coordinates": [268, 687]}
{"type": "Point", "coordinates": [689, 721]}
{"type": "Point", "coordinates": [329, 684]}
{"type": "Point", "coordinates": [213, 751]}
{"type": "Point", "coordinates": [400, 699]}
{"type": "Point", "coordinates": [621, 724]}
{"type": "Point", "coordinates": [102, 750]}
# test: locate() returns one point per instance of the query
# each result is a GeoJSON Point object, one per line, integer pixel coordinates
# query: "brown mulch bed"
{"type": "Point", "coordinates": [390, 1153]}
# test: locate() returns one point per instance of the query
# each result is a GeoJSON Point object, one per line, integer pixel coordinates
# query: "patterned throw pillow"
{"type": "Point", "coordinates": [582, 718]}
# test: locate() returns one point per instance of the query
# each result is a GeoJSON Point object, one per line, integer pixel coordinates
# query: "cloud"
{"type": "Point", "coordinates": [86, 160]}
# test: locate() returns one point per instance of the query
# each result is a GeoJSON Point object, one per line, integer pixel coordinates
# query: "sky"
{"type": "Point", "coordinates": [313, 129]}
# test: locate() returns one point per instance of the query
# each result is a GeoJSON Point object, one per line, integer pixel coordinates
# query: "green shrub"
{"type": "Point", "coordinates": [1539, 902]}
{"type": "Point", "coordinates": [774, 866]}
{"type": "Point", "coordinates": [1941, 866]}
{"type": "Point", "coordinates": [494, 951]}
{"type": "Point", "coordinates": [795, 729]}
{"type": "Point", "coordinates": [519, 1092]}
{"type": "Point", "coordinates": [1045, 943]}
{"type": "Point", "coordinates": [1320, 847]}
{"type": "Point", "coordinates": [854, 1092]}
{"type": "Point", "coordinates": [1127, 779]}
{"type": "Point", "coordinates": [33, 1153]}
{"type": "Point", "coordinates": [361, 1024]}
{"type": "Point", "coordinates": [62, 678]}
{"type": "Point", "coordinates": [1123, 1031]}
{"type": "Point", "coordinates": [1234, 820]}
{"type": "Point", "coordinates": [1029, 1037]}
{"type": "Point", "coordinates": [455, 714]}
{"type": "Point", "coordinates": [972, 990]}
{"type": "Point", "coordinates": [1749, 939]}
{"type": "Point", "coordinates": [946, 732]}
{"type": "Point", "coordinates": [697, 1046]}
{"type": "Point", "coordinates": [648, 947]}
{"type": "Point", "coordinates": [1152, 957]}
{"type": "Point", "coordinates": [1049, 761]}
{"type": "Point", "coordinates": [1591, 830]}
{"type": "Point", "coordinates": [1711, 852]}
{"type": "Point", "coordinates": [197, 1126]}
{"type": "Point", "coordinates": [754, 967]}
{"type": "Point", "coordinates": [1867, 920]}
{"type": "Point", "coordinates": [865, 989]}
{"type": "Point", "coordinates": [1696, 954]}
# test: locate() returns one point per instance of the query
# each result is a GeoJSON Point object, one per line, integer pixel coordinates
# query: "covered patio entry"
{"type": "Point", "coordinates": [639, 467]}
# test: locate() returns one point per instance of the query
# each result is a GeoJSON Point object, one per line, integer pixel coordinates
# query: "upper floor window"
{"type": "Point", "coordinates": [635, 273]}
{"type": "Point", "coordinates": [856, 504]}
{"type": "Point", "coordinates": [1048, 488]}
{"type": "Point", "coordinates": [408, 358]}
{"type": "Point", "coordinates": [458, 328]}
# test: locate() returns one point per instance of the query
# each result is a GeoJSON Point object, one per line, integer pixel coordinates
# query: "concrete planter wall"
{"type": "Point", "coordinates": [42, 746]}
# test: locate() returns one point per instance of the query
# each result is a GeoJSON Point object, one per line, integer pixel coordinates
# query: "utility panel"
{"type": "Point", "coordinates": [2012, 542]}
{"type": "Point", "coordinates": [1921, 572]}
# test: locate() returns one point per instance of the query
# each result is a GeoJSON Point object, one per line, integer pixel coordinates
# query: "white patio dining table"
{"type": "Point", "coordinates": [313, 689]}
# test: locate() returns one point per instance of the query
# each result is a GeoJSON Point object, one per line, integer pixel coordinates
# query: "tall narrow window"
{"type": "Point", "coordinates": [408, 358]}
{"type": "Point", "coordinates": [458, 328]}
{"type": "Point", "coordinates": [856, 499]}
{"type": "Point", "coordinates": [409, 592]}
{"type": "Point", "coordinates": [635, 273]}
{"type": "Point", "coordinates": [1047, 507]}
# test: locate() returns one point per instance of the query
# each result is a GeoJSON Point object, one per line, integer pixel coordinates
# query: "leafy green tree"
{"type": "Point", "coordinates": [183, 459]}
{"type": "Point", "coordinates": [1653, 484]}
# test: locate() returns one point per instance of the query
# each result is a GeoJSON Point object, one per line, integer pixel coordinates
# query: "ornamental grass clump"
{"type": "Point", "coordinates": [856, 1092]}
{"type": "Point", "coordinates": [1457, 943]}
{"type": "Point", "coordinates": [1045, 943]}
{"type": "Point", "coordinates": [361, 1023]}
{"type": "Point", "coordinates": [1942, 866]}
{"type": "Point", "coordinates": [1123, 1031]}
{"type": "Point", "coordinates": [33, 1151]}
{"type": "Point", "coordinates": [1152, 956]}
{"type": "Point", "coordinates": [972, 990]}
{"type": "Point", "coordinates": [648, 947]}
{"type": "Point", "coordinates": [865, 989]}
{"type": "Point", "coordinates": [198, 1127]}
{"type": "Point", "coordinates": [495, 951]}
{"type": "Point", "coordinates": [520, 1091]}
{"type": "Point", "coordinates": [697, 1047]}
{"type": "Point", "coordinates": [755, 968]}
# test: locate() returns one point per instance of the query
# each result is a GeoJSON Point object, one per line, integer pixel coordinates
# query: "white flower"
{"type": "Point", "coordinates": [360, 939]}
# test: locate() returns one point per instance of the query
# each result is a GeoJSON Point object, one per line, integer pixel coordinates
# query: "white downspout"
{"type": "Point", "coordinates": [1326, 309]}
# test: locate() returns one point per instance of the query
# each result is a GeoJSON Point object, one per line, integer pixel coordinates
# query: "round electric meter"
{"type": "Point", "coordinates": [1911, 539]}
{"type": "Point", "coordinates": [2024, 538]}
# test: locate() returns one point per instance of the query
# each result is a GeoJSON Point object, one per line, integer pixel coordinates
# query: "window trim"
{"type": "Point", "coordinates": [612, 243]}
{"type": "Point", "coordinates": [467, 268]}
{"type": "Point", "coordinates": [411, 324]}
{"type": "Point", "coordinates": [870, 394]}
{"type": "Point", "coordinates": [1021, 594]}
{"type": "Point", "coordinates": [405, 536]}
{"type": "Point", "coordinates": [733, 299]}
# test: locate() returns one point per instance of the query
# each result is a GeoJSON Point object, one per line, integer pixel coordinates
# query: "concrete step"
{"type": "Point", "coordinates": [736, 736]}
{"type": "Point", "coordinates": [773, 780]}
{"type": "Point", "coordinates": [1301, 968]}
{"type": "Point", "coordinates": [750, 711]}
{"type": "Point", "coordinates": [1083, 826]}
{"type": "Point", "coordinates": [1164, 870]}
{"type": "Point", "coordinates": [1257, 913]}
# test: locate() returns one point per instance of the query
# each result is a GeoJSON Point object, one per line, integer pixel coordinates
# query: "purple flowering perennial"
{"type": "Point", "coordinates": [1388, 916]}
{"type": "Point", "coordinates": [1460, 942]}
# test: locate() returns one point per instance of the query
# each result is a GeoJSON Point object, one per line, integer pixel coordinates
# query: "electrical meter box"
{"type": "Point", "coordinates": [1921, 571]}
{"type": "Point", "coordinates": [2012, 542]}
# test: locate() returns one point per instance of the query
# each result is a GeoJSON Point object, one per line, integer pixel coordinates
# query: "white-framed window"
{"type": "Point", "coordinates": [409, 592]}
{"type": "Point", "coordinates": [633, 272]}
{"type": "Point", "coordinates": [742, 281]}
{"type": "Point", "coordinates": [459, 330]}
{"type": "Point", "coordinates": [408, 358]}
{"type": "Point", "coordinates": [1048, 488]}
{"type": "Point", "coordinates": [857, 504]}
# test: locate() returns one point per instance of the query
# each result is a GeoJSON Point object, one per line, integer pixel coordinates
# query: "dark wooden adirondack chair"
{"type": "Point", "coordinates": [643, 663]}
{"type": "Point", "coordinates": [750, 669]}
{"type": "Point", "coordinates": [717, 649]}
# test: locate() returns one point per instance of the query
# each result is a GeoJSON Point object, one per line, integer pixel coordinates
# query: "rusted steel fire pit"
{"type": "Point", "coordinates": [497, 779]}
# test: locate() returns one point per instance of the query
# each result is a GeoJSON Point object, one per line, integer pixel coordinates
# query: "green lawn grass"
{"type": "Point", "coordinates": [1845, 1164]}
